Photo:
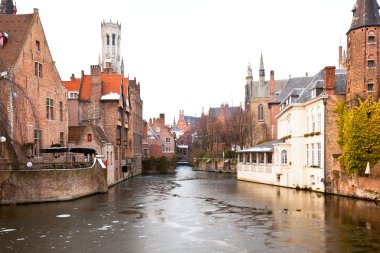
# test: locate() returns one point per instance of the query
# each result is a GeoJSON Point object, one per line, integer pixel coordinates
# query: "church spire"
{"type": "Point", "coordinates": [365, 13]}
{"type": "Point", "coordinates": [262, 70]}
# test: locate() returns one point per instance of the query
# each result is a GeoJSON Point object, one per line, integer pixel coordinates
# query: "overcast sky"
{"type": "Point", "coordinates": [189, 54]}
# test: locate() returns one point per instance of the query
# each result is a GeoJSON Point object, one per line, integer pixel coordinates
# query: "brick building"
{"type": "Point", "coordinates": [363, 73]}
{"type": "Point", "coordinates": [135, 149]}
{"type": "Point", "coordinates": [33, 97]}
{"type": "Point", "coordinates": [102, 99]}
{"type": "Point", "coordinates": [257, 97]}
{"type": "Point", "coordinates": [160, 138]}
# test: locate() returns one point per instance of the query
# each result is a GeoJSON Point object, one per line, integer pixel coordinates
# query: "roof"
{"type": "Point", "coordinates": [365, 13]}
{"type": "Point", "coordinates": [110, 86]}
{"type": "Point", "coordinates": [262, 148]}
{"type": "Point", "coordinates": [17, 27]}
{"type": "Point", "coordinates": [292, 83]}
{"type": "Point", "coordinates": [75, 133]}
{"type": "Point", "coordinates": [191, 120]}
{"type": "Point", "coordinates": [229, 111]}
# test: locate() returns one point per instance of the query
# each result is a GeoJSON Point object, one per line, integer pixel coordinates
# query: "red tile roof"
{"type": "Point", "coordinates": [73, 85]}
{"type": "Point", "coordinates": [111, 83]}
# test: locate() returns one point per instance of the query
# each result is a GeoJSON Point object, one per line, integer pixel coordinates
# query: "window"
{"type": "Point", "coordinates": [247, 158]}
{"type": "Point", "coordinates": [118, 134]}
{"type": "Point", "coordinates": [371, 62]}
{"type": "Point", "coordinates": [113, 39]}
{"type": "Point", "coordinates": [313, 123]}
{"type": "Point", "coordinates": [261, 113]}
{"type": "Point", "coordinates": [261, 158]}
{"type": "Point", "coordinates": [254, 156]}
{"type": "Point", "coordinates": [370, 87]}
{"type": "Point", "coordinates": [125, 135]}
{"type": "Point", "coordinates": [312, 154]}
{"type": "Point", "coordinates": [61, 111]}
{"type": "Point", "coordinates": [269, 158]}
{"type": "Point", "coordinates": [307, 154]}
{"type": "Point", "coordinates": [37, 142]}
{"type": "Point", "coordinates": [145, 152]}
{"type": "Point", "coordinates": [62, 139]}
{"type": "Point", "coordinates": [73, 95]}
{"type": "Point", "coordinates": [49, 109]}
{"type": "Point", "coordinates": [158, 129]}
{"type": "Point", "coordinates": [240, 157]}
{"type": "Point", "coordinates": [371, 37]}
{"type": "Point", "coordinates": [119, 113]}
{"type": "Point", "coordinates": [284, 157]}
{"type": "Point", "coordinates": [89, 137]}
{"type": "Point", "coordinates": [38, 46]}
{"type": "Point", "coordinates": [167, 140]}
{"type": "Point", "coordinates": [38, 69]}
{"type": "Point", "coordinates": [108, 39]}
{"type": "Point", "coordinates": [307, 124]}
{"type": "Point", "coordinates": [116, 150]}
{"type": "Point", "coordinates": [319, 155]}
{"type": "Point", "coordinates": [319, 123]}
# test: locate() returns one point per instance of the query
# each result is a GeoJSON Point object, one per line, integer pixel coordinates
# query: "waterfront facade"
{"type": "Point", "coordinates": [33, 98]}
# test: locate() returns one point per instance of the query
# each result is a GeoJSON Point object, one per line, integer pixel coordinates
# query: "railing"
{"type": "Point", "coordinates": [49, 165]}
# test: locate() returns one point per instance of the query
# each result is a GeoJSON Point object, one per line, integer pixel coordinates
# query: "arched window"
{"type": "Point", "coordinates": [371, 37]}
{"type": "Point", "coordinates": [284, 157]}
{"type": "Point", "coordinates": [371, 61]}
{"type": "Point", "coordinates": [261, 113]}
{"type": "Point", "coordinates": [108, 39]}
{"type": "Point", "coordinates": [113, 39]}
{"type": "Point", "coordinates": [312, 121]}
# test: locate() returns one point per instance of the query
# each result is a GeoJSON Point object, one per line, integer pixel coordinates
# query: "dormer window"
{"type": "Point", "coordinates": [38, 46]}
{"type": "Point", "coordinates": [371, 37]}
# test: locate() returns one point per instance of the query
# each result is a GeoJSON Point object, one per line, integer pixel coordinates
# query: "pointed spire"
{"type": "Point", "coordinates": [262, 62]}
{"type": "Point", "coordinates": [7, 7]}
{"type": "Point", "coordinates": [122, 66]}
{"type": "Point", "coordinates": [365, 13]}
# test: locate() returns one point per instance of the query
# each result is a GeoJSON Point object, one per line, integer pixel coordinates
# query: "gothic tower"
{"type": "Point", "coordinates": [111, 38]}
{"type": "Point", "coordinates": [363, 48]}
{"type": "Point", "coordinates": [7, 7]}
{"type": "Point", "coordinates": [248, 86]}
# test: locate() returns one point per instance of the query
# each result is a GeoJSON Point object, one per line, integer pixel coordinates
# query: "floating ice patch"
{"type": "Point", "coordinates": [115, 221]}
{"type": "Point", "coordinates": [63, 216]}
{"type": "Point", "coordinates": [7, 230]}
{"type": "Point", "coordinates": [142, 236]}
{"type": "Point", "coordinates": [105, 227]}
{"type": "Point", "coordinates": [20, 239]}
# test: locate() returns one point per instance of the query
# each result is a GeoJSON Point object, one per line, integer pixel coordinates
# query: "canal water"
{"type": "Point", "coordinates": [193, 212]}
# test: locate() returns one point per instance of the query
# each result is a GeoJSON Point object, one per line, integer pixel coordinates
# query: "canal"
{"type": "Point", "coordinates": [193, 212]}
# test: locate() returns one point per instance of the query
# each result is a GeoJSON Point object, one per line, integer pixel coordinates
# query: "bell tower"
{"type": "Point", "coordinates": [111, 38]}
{"type": "Point", "coordinates": [363, 48]}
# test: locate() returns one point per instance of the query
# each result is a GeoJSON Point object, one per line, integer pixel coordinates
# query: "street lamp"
{"type": "Point", "coordinates": [3, 139]}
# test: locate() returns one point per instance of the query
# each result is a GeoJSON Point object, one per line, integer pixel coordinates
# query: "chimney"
{"type": "Point", "coordinates": [145, 130]}
{"type": "Point", "coordinates": [162, 117]}
{"type": "Point", "coordinates": [271, 85]}
{"type": "Point", "coordinates": [329, 80]}
{"type": "Point", "coordinates": [72, 78]}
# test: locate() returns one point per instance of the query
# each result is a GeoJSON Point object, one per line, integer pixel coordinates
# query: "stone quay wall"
{"type": "Point", "coordinates": [28, 186]}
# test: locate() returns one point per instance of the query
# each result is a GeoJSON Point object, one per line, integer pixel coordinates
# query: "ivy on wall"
{"type": "Point", "coordinates": [359, 135]}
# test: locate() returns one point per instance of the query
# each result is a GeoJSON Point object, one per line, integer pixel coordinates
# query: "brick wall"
{"type": "Point", "coordinates": [51, 185]}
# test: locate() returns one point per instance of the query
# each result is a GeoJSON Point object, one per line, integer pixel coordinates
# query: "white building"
{"type": "Point", "coordinates": [297, 159]}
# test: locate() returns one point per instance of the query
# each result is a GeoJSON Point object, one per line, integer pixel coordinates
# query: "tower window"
{"type": "Point", "coordinates": [38, 46]}
{"type": "Point", "coordinates": [113, 39]}
{"type": "Point", "coordinates": [370, 87]}
{"type": "Point", "coordinates": [371, 63]}
{"type": "Point", "coordinates": [108, 39]}
{"type": "Point", "coordinates": [371, 37]}
{"type": "Point", "coordinates": [261, 113]}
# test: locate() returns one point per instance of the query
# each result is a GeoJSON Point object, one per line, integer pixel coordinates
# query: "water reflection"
{"type": "Point", "coordinates": [193, 212]}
